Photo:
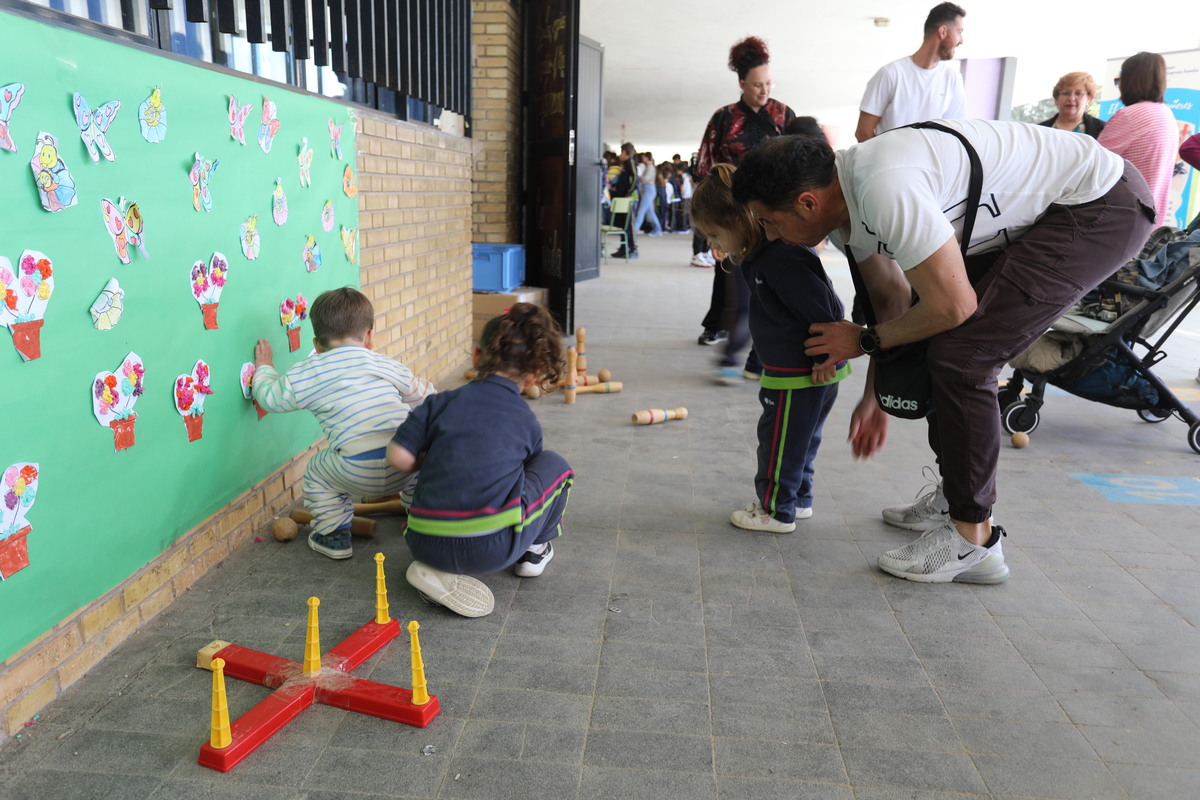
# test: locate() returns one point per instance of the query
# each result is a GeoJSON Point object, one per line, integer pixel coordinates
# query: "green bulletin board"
{"type": "Point", "coordinates": [100, 514]}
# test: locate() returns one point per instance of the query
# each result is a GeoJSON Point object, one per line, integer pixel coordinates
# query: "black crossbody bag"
{"type": "Point", "coordinates": [903, 387]}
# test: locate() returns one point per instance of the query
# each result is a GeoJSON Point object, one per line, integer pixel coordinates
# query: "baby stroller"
{"type": "Point", "coordinates": [1090, 351]}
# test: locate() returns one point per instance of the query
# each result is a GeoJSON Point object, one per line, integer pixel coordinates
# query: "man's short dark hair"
{"type": "Point", "coordinates": [942, 14]}
{"type": "Point", "coordinates": [775, 172]}
{"type": "Point", "coordinates": [806, 126]}
{"type": "Point", "coordinates": [340, 314]}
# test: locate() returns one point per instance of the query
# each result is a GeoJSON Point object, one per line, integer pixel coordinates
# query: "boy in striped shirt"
{"type": "Point", "coordinates": [359, 398]}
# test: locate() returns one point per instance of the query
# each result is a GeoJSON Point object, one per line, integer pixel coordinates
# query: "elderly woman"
{"type": "Point", "coordinates": [1073, 95]}
{"type": "Point", "coordinates": [1144, 131]}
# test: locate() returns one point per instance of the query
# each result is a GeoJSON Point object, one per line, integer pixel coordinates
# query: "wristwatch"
{"type": "Point", "coordinates": [868, 341]}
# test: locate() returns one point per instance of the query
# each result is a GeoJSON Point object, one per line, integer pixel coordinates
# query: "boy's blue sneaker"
{"type": "Point", "coordinates": [727, 376]}
{"type": "Point", "coordinates": [335, 544]}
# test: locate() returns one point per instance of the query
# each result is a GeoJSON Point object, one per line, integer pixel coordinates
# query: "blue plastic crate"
{"type": "Point", "coordinates": [498, 267]}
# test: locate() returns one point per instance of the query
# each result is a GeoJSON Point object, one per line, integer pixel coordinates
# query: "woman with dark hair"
{"type": "Point", "coordinates": [1073, 94]}
{"type": "Point", "coordinates": [732, 132]}
{"type": "Point", "coordinates": [1145, 131]}
{"type": "Point", "coordinates": [625, 184]}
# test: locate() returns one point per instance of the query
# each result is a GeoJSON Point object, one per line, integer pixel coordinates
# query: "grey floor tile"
{"type": "Point", "coordinates": [1048, 777]}
{"type": "Point", "coordinates": [634, 749]}
{"type": "Point", "coordinates": [651, 715]}
{"type": "Point", "coordinates": [907, 769]}
{"type": "Point", "coordinates": [886, 730]}
{"type": "Point", "coordinates": [756, 758]}
{"type": "Point", "coordinates": [772, 723]}
{"type": "Point", "coordinates": [605, 783]}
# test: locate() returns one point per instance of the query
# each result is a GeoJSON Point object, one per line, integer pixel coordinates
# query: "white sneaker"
{"type": "Point", "coordinates": [462, 594]}
{"type": "Point", "coordinates": [941, 555]}
{"type": "Point", "coordinates": [928, 512]}
{"type": "Point", "coordinates": [533, 564]}
{"type": "Point", "coordinates": [754, 518]}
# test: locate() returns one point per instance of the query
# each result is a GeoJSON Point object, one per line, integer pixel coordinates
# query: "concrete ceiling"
{"type": "Point", "coordinates": [665, 60]}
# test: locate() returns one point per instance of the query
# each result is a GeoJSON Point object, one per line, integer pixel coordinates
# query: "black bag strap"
{"type": "Point", "coordinates": [974, 192]}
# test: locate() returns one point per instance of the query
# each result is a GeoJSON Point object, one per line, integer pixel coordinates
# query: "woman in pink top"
{"type": "Point", "coordinates": [1145, 132]}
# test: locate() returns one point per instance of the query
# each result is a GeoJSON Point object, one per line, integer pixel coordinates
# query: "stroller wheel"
{"type": "Point", "coordinates": [1154, 414]}
{"type": "Point", "coordinates": [1194, 436]}
{"type": "Point", "coordinates": [1019, 417]}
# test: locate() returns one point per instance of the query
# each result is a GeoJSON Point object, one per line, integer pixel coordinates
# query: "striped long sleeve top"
{"type": "Point", "coordinates": [359, 397]}
{"type": "Point", "coordinates": [1146, 135]}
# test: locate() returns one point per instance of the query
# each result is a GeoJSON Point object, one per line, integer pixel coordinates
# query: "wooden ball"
{"type": "Point", "coordinates": [1020, 439]}
{"type": "Point", "coordinates": [284, 529]}
{"type": "Point", "coordinates": [604, 375]}
{"type": "Point", "coordinates": [533, 392]}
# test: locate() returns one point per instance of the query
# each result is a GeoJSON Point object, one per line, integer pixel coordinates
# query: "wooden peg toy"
{"type": "Point", "coordinates": [581, 348]}
{"type": "Point", "coordinates": [612, 387]}
{"type": "Point", "coordinates": [653, 415]}
{"type": "Point", "coordinates": [569, 388]}
{"type": "Point", "coordinates": [359, 526]}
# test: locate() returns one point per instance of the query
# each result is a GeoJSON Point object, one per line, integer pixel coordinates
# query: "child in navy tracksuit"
{"type": "Point", "coordinates": [789, 291]}
{"type": "Point", "coordinates": [489, 495]}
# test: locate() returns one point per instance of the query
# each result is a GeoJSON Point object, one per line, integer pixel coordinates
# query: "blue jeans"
{"type": "Point", "coordinates": [647, 192]}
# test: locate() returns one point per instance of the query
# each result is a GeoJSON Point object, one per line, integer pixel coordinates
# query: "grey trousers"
{"type": "Point", "coordinates": [1033, 281]}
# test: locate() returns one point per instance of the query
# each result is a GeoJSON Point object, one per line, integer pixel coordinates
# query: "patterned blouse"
{"type": "Point", "coordinates": [735, 130]}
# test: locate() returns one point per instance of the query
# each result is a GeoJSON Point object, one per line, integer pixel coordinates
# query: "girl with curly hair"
{"type": "Point", "coordinates": [489, 496]}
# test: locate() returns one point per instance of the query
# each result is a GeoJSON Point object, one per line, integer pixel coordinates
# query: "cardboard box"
{"type": "Point", "coordinates": [490, 304]}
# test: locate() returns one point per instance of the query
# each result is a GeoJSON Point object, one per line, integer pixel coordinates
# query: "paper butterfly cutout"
{"type": "Point", "coordinates": [269, 126]}
{"type": "Point", "coordinates": [279, 206]}
{"type": "Point", "coordinates": [311, 254]}
{"type": "Point", "coordinates": [10, 97]}
{"type": "Point", "coordinates": [55, 183]}
{"type": "Point", "coordinates": [19, 490]}
{"type": "Point", "coordinates": [237, 119]}
{"type": "Point", "coordinates": [306, 156]}
{"type": "Point", "coordinates": [200, 173]}
{"type": "Point", "coordinates": [327, 216]}
{"type": "Point", "coordinates": [126, 227]}
{"type": "Point", "coordinates": [251, 240]}
{"type": "Point", "coordinates": [348, 182]}
{"type": "Point", "coordinates": [335, 140]}
{"type": "Point", "coordinates": [108, 307]}
{"type": "Point", "coordinates": [152, 116]}
{"type": "Point", "coordinates": [115, 393]}
{"type": "Point", "coordinates": [350, 243]}
{"type": "Point", "coordinates": [94, 124]}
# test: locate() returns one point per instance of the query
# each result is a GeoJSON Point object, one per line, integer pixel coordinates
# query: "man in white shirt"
{"type": "Point", "coordinates": [917, 87]}
{"type": "Point", "coordinates": [1057, 215]}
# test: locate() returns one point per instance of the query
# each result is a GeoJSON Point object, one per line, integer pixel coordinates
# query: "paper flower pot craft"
{"type": "Point", "coordinates": [55, 183]}
{"type": "Point", "coordinates": [207, 281]}
{"type": "Point", "coordinates": [291, 314]}
{"type": "Point", "coordinates": [18, 487]}
{"type": "Point", "coordinates": [246, 380]}
{"type": "Point", "coordinates": [190, 391]}
{"type": "Point", "coordinates": [114, 395]}
{"type": "Point", "coordinates": [24, 294]}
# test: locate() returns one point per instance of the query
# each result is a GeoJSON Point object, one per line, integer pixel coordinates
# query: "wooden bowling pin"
{"type": "Point", "coordinates": [653, 415]}
{"type": "Point", "coordinates": [569, 388]}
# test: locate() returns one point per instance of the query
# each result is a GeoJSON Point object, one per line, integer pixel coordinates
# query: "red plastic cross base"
{"type": "Point", "coordinates": [296, 690]}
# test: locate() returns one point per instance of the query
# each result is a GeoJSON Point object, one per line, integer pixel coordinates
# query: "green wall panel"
{"type": "Point", "coordinates": [100, 515]}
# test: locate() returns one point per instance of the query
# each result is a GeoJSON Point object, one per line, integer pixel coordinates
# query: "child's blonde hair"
{"type": "Point", "coordinates": [524, 341]}
{"type": "Point", "coordinates": [713, 207]}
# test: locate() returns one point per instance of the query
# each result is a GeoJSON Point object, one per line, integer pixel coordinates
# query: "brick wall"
{"type": "Point", "coordinates": [496, 121]}
{"type": "Point", "coordinates": [415, 260]}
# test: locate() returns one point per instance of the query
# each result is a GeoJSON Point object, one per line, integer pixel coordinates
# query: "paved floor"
{"type": "Point", "coordinates": [667, 654]}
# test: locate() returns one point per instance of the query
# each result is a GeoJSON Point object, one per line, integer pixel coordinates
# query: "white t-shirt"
{"type": "Point", "coordinates": [901, 92]}
{"type": "Point", "coordinates": [906, 190]}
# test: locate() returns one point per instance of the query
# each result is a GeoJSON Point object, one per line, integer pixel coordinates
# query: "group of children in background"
{"type": "Point", "coordinates": [481, 492]}
{"type": "Point", "coordinates": [666, 207]}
